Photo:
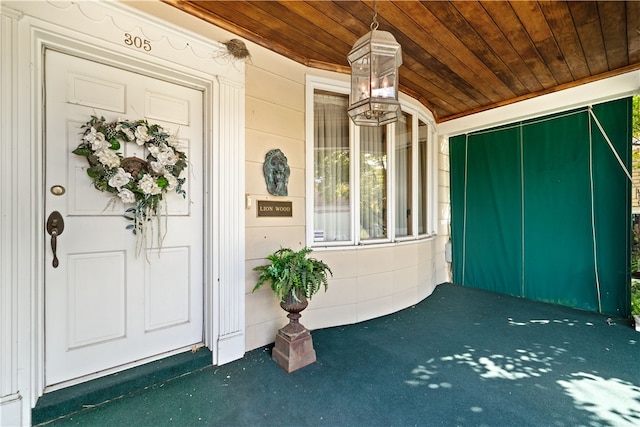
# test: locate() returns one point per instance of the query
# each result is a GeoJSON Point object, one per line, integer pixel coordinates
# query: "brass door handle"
{"type": "Point", "coordinates": [55, 227]}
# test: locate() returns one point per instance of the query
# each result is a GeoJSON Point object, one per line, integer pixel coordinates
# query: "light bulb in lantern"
{"type": "Point", "coordinates": [363, 92]}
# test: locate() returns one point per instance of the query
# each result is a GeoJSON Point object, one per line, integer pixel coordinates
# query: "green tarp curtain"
{"type": "Point", "coordinates": [541, 209]}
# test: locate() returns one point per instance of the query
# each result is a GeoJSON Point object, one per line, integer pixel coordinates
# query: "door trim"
{"type": "Point", "coordinates": [114, 353]}
{"type": "Point", "coordinates": [124, 62]}
{"type": "Point", "coordinates": [35, 27]}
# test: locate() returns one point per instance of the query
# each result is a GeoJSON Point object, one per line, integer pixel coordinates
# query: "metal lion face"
{"type": "Point", "coordinates": [276, 172]}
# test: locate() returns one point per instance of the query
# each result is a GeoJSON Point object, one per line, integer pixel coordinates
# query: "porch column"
{"type": "Point", "coordinates": [10, 397]}
{"type": "Point", "coordinates": [230, 215]}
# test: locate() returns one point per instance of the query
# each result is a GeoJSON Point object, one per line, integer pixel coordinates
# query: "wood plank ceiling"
{"type": "Point", "coordinates": [459, 57]}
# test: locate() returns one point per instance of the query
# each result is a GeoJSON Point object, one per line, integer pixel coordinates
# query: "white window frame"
{"type": "Point", "coordinates": [314, 83]}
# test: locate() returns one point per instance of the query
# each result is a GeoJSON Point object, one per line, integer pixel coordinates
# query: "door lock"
{"type": "Point", "coordinates": [57, 190]}
{"type": "Point", "coordinates": [55, 227]}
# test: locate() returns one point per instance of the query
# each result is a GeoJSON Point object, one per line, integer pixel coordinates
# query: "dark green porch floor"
{"type": "Point", "coordinates": [462, 357]}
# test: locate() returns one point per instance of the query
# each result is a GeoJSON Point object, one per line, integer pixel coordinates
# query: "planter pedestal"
{"type": "Point", "coordinates": [294, 346]}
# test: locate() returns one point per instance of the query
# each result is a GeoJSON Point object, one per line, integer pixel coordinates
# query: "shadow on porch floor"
{"type": "Point", "coordinates": [462, 357]}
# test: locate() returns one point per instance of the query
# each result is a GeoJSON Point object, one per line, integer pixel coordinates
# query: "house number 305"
{"type": "Point", "coordinates": [137, 42]}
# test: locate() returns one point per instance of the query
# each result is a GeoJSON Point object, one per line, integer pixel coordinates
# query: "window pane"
{"type": "Point", "coordinates": [373, 182]}
{"type": "Point", "coordinates": [403, 170]}
{"type": "Point", "coordinates": [332, 212]}
{"type": "Point", "coordinates": [423, 132]}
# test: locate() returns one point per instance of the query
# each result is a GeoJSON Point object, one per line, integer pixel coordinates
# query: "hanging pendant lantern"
{"type": "Point", "coordinates": [374, 60]}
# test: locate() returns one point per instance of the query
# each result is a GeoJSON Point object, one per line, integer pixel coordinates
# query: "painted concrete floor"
{"type": "Point", "coordinates": [462, 357]}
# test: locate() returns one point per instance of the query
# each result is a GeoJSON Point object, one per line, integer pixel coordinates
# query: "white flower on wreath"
{"type": "Point", "coordinates": [126, 131]}
{"type": "Point", "coordinates": [96, 139]}
{"type": "Point", "coordinates": [120, 179]}
{"type": "Point", "coordinates": [91, 134]}
{"type": "Point", "coordinates": [108, 158]}
{"type": "Point", "coordinates": [142, 135]}
{"type": "Point", "coordinates": [149, 185]}
{"type": "Point", "coordinates": [167, 157]}
{"type": "Point", "coordinates": [154, 150]}
{"type": "Point", "coordinates": [100, 143]}
{"type": "Point", "coordinates": [172, 182]}
{"type": "Point", "coordinates": [127, 196]}
{"type": "Point", "coordinates": [157, 167]}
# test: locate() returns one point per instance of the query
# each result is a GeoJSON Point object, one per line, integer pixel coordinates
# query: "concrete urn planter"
{"type": "Point", "coordinates": [294, 346]}
{"type": "Point", "coordinates": [294, 277]}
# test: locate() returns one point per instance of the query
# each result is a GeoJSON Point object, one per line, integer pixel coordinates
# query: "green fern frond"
{"type": "Point", "coordinates": [291, 270]}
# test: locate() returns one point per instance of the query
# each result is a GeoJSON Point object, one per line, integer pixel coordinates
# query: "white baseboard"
{"type": "Point", "coordinates": [231, 347]}
{"type": "Point", "coordinates": [11, 410]}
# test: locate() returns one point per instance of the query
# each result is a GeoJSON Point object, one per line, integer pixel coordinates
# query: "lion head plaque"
{"type": "Point", "coordinates": [276, 172]}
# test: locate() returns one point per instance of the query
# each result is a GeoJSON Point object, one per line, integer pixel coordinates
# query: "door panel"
{"type": "Point", "coordinates": [92, 92]}
{"type": "Point", "coordinates": [106, 305]}
{"type": "Point", "coordinates": [167, 289]}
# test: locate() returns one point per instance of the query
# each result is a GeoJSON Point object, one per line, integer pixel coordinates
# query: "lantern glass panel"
{"type": "Point", "coordinates": [360, 79]}
{"type": "Point", "coordinates": [383, 76]}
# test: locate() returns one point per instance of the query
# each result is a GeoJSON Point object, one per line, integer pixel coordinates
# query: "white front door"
{"type": "Point", "coordinates": [105, 305]}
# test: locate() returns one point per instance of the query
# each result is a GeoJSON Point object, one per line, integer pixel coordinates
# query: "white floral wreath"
{"type": "Point", "coordinates": [132, 179]}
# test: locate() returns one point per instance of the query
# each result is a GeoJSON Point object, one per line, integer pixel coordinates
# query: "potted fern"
{"type": "Point", "coordinates": [294, 278]}
{"type": "Point", "coordinates": [293, 273]}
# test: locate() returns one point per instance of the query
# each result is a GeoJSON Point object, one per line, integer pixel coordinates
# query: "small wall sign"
{"type": "Point", "coordinates": [273, 208]}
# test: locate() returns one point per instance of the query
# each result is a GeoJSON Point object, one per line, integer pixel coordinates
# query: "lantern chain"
{"type": "Point", "coordinates": [374, 24]}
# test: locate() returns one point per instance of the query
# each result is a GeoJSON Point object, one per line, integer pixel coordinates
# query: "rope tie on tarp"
{"type": "Point", "coordinates": [522, 223]}
{"type": "Point", "coordinates": [464, 209]}
{"type": "Point", "coordinates": [626, 172]}
{"type": "Point", "coordinates": [593, 213]}
{"type": "Point", "coordinates": [613, 150]}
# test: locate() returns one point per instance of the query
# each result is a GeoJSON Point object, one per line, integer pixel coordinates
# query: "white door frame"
{"type": "Point", "coordinates": [100, 31]}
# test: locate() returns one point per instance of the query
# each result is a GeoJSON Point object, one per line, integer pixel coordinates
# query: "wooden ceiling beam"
{"type": "Point", "coordinates": [537, 27]}
{"type": "Point", "coordinates": [587, 24]}
{"type": "Point", "coordinates": [614, 30]}
{"type": "Point", "coordinates": [461, 28]}
{"type": "Point", "coordinates": [564, 32]}
{"type": "Point", "coordinates": [419, 24]}
{"type": "Point", "coordinates": [486, 28]}
{"type": "Point", "coordinates": [509, 23]}
{"type": "Point", "coordinates": [458, 57]}
{"type": "Point", "coordinates": [633, 30]}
